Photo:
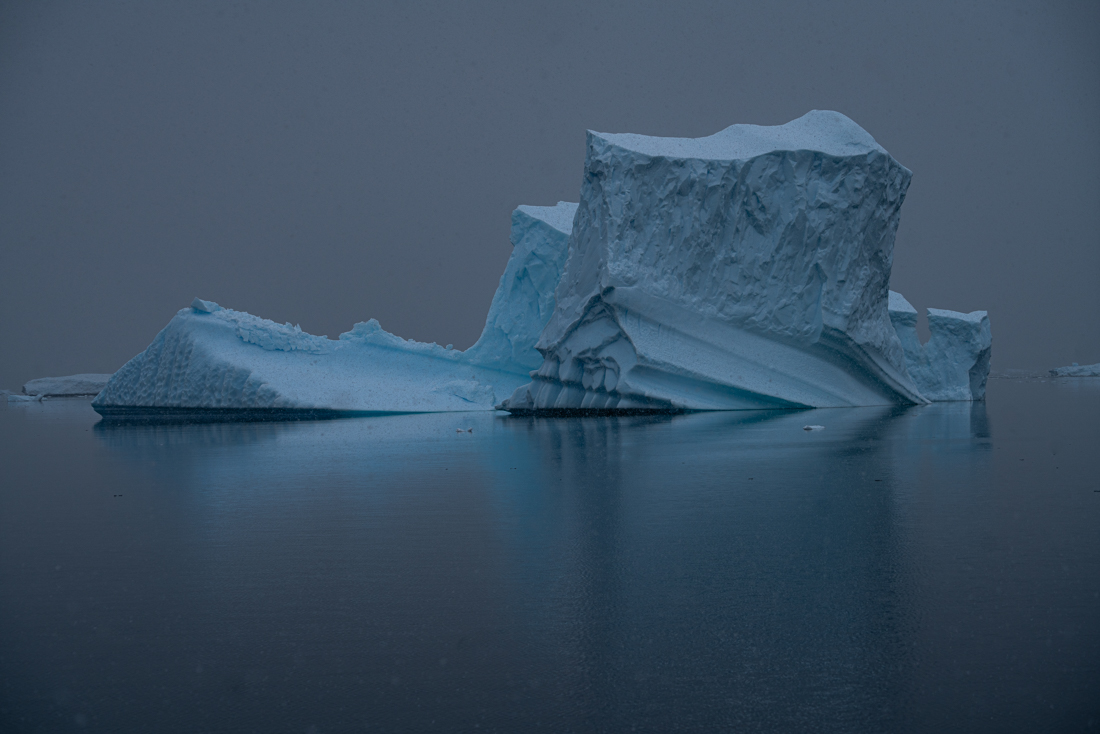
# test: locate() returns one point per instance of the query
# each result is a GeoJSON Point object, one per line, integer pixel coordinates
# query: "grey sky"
{"type": "Point", "coordinates": [324, 163]}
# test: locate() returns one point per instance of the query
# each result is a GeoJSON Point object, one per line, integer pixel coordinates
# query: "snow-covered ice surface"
{"type": "Point", "coordinates": [1077, 370]}
{"type": "Point", "coordinates": [210, 359]}
{"type": "Point", "coordinates": [954, 364]}
{"type": "Point", "coordinates": [88, 384]}
{"type": "Point", "coordinates": [748, 269]}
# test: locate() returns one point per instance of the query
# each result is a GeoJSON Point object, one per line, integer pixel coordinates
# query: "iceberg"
{"type": "Point", "coordinates": [70, 386]}
{"type": "Point", "coordinates": [748, 269]}
{"type": "Point", "coordinates": [1077, 370]}
{"type": "Point", "coordinates": [211, 360]}
{"type": "Point", "coordinates": [745, 270]}
{"type": "Point", "coordinates": [16, 398]}
{"type": "Point", "coordinates": [954, 364]}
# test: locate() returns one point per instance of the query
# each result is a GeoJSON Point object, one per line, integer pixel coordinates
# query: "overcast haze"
{"type": "Point", "coordinates": [325, 163]}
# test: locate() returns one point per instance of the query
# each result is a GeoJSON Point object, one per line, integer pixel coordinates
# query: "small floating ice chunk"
{"type": "Point", "coordinates": [1077, 370]}
{"type": "Point", "coordinates": [68, 386]}
{"type": "Point", "coordinates": [14, 398]}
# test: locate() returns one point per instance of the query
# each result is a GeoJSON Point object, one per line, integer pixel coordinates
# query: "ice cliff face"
{"type": "Point", "coordinates": [954, 364]}
{"type": "Point", "coordinates": [213, 358]}
{"type": "Point", "coordinates": [524, 300]}
{"type": "Point", "coordinates": [748, 269]}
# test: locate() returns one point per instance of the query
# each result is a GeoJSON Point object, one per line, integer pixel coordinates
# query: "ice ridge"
{"type": "Point", "coordinates": [214, 358]}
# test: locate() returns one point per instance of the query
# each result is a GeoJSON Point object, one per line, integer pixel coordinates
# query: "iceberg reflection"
{"type": "Point", "coordinates": [604, 558]}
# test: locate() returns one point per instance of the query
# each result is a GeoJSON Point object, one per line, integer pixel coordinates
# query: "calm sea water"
{"type": "Point", "coordinates": [922, 569]}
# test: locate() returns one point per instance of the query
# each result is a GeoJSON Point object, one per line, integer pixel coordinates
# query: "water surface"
{"type": "Point", "coordinates": [905, 569]}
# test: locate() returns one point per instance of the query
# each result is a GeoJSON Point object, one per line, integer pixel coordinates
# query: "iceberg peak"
{"type": "Point", "coordinates": [897, 304]}
{"type": "Point", "coordinates": [202, 306]}
{"type": "Point", "coordinates": [818, 131]}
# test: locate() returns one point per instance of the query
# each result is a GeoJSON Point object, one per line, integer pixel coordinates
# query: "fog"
{"type": "Point", "coordinates": [325, 163]}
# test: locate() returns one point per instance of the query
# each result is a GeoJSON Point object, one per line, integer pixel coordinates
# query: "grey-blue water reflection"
{"type": "Point", "coordinates": [902, 570]}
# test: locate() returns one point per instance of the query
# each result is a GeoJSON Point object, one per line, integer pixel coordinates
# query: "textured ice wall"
{"type": "Point", "coordinates": [524, 299]}
{"type": "Point", "coordinates": [954, 364]}
{"type": "Point", "coordinates": [748, 269]}
{"type": "Point", "coordinates": [212, 358]}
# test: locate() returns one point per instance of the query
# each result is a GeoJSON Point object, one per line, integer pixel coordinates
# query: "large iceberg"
{"type": "Point", "coordinates": [748, 269]}
{"type": "Point", "coordinates": [210, 359]}
{"type": "Point", "coordinates": [954, 364]}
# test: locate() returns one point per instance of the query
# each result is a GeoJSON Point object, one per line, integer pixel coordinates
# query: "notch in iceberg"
{"type": "Point", "coordinates": [748, 269]}
{"type": "Point", "coordinates": [954, 364]}
{"type": "Point", "coordinates": [212, 359]}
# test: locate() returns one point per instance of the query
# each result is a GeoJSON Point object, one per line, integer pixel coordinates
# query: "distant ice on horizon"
{"type": "Point", "coordinates": [68, 386]}
{"type": "Point", "coordinates": [1077, 370]}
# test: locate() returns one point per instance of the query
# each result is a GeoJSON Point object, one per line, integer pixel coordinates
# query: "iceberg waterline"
{"type": "Point", "coordinates": [745, 270]}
